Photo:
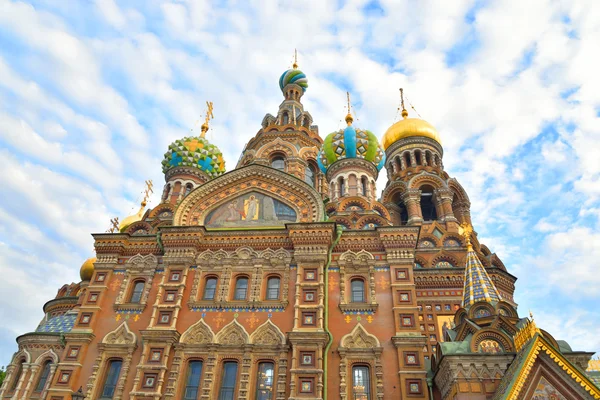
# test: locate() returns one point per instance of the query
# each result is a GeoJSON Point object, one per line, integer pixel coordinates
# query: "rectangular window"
{"type": "Point", "coordinates": [407, 320]}
{"type": "Point", "coordinates": [170, 296]}
{"type": "Point", "coordinates": [111, 379]}
{"type": "Point", "coordinates": [309, 318]}
{"type": "Point", "coordinates": [73, 352]}
{"type": "Point", "coordinates": [210, 289]}
{"type": "Point", "coordinates": [93, 297]}
{"type": "Point", "coordinates": [155, 355]}
{"type": "Point", "coordinates": [307, 385]}
{"type": "Point", "coordinates": [357, 287]}
{"type": "Point", "coordinates": [307, 358]}
{"type": "Point", "coordinates": [411, 358]}
{"type": "Point", "coordinates": [164, 317]}
{"type": "Point", "coordinates": [273, 284]}
{"type": "Point", "coordinates": [228, 380]}
{"type": "Point", "coordinates": [414, 386]}
{"type": "Point", "coordinates": [192, 380]}
{"type": "Point", "coordinates": [402, 274]}
{"type": "Point", "coordinates": [149, 381]}
{"type": "Point", "coordinates": [85, 318]}
{"type": "Point", "coordinates": [361, 382]}
{"type": "Point", "coordinates": [310, 295]}
{"type": "Point", "coordinates": [310, 274]}
{"type": "Point", "coordinates": [175, 276]}
{"type": "Point", "coordinates": [241, 288]}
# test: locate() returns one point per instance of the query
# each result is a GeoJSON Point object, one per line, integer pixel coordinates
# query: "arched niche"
{"type": "Point", "coordinates": [252, 196]}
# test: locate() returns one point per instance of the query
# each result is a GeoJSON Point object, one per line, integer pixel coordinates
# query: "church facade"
{"type": "Point", "coordinates": [288, 278]}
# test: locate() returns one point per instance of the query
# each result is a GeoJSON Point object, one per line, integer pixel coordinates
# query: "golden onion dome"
{"type": "Point", "coordinates": [409, 127]}
{"type": "Point", "coordinates": [133, 218]}
{"type": "Point", "coordinates": [87, 269]}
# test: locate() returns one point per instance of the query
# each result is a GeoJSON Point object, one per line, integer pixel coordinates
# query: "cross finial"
{"type": "Point", "coordinates": [466, 230]}
{"type": "Point", "coordinates": [114, 225]}
{"type": "Point", "coordinates": [349, 118]}
{"type": "Point", "coordinates": [209, 116]}
{"type": "Point", "coordinates": [295, 65]}
{"type": "Point", "coordinates": [147, 191]}
{"type": "Point", "coordinates": [404, 112]}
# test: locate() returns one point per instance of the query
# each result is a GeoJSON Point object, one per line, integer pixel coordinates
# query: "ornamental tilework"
{"type": "Point", "coordinates": [350, 143]}
{"type": "Point", "coordinates": [478, 285]}
{"type": "Point", "coordinates": [59, 324]}
{"type": "Point", "coordinates": [195, 152]}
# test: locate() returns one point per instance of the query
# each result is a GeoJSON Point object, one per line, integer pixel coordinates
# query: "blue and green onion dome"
{"type": "Point", "coordinates": [293, 76]}
{"type": "Point", "coordinates": [350, 143]}
{"type": "Point", "coordinates": [195, 152]}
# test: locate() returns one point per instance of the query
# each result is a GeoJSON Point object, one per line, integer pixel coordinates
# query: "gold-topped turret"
{"type": "Point", "coordinates": [140, 214]}
{"type": "Point", "coordinates": [408, 127]}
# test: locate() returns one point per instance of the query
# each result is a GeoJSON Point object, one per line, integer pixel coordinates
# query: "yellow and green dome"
{"type": "Point", "coordinates": [195, 152]}
{"type": "Point", "coordinates": [87, 269]}
{"type": "Point", "coordinates": [350, 142]}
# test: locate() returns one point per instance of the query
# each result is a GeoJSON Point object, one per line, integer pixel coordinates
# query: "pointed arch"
{"type": "Point", "coordinates": [198, 333]}
{"type": "Point", "coordinates": [121, 335]}
{"type": "Point", "coordinates": [233, 334]}
{"type": "Point", "coordinates": [268, 334]}
{"type": "Point", "coordinates": [359, 338]}
{"type": "Point", "coordinates": [50, 354]}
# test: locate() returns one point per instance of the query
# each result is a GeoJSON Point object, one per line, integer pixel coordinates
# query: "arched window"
{"type": "Point", "coordinates": [210, 288]}
{"type": "Point", "coordinates": [111, 379]}
{"type": "Point", "coordinates": [188, 189]}
{"type": "Point", "coordinates": [361, 382]}
{"type": "Point", "coordinates": [365, 185]}
{"type": "Point", "coordinates": [192, 380]}
{"type": "Point", "coordinates": [273, 284]}
{"type": "Point", "coordinates": [357, 288]}
{"type": "Point", "coordinates": [43, 377]}
{"type": "Point", "coordinates": [418, 157]}
{"type": "Point", "coordinates": [407, 159]}
{"type": "Point", "coordinates": [264, 381]}
{"type": "Point", "coordinates": [286, 118]}
{"type": "Point", "coordinates": [136, 293]}
{"type": "Point", "coordinates": [278, 162]}
{"type": "Point", "coordinates": [17, 376]}
{"type": "Point", "coordinates": [241, 288]}
{"type": "Point", "coordinates": [341, 186]}
{"type": "Point", "coordinates": [228, 379]}
{"type": "Point", "coordinates": [309, 175]}
{"type": "Point", "coordinates": [427, 204]}
{"type": "Point", "coordinates": [166, 191]}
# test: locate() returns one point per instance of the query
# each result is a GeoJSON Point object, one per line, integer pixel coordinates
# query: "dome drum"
{"type": "Point", "coordinates": [414, 142]}
{"type": "Point", "coordinates": [351, 165]}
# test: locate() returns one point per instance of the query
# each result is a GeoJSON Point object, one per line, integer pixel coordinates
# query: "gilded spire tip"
{"type": "Point", "coordinates": [209, 116]}
{"type": "Point", "coordinates": [349, 118]}
{"type": "Point", "coordinates": [404, 112]}
{"type": "Point", "coordinates": [295, 64]}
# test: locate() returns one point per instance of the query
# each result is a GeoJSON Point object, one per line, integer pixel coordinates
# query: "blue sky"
{"type": "Point", "coordinates": [92, 93]}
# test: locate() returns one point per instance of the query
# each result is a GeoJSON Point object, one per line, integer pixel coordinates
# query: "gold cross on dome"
{"type": "Point", "coordinates": [114, 222]}
{"type": "Point", "coordinates": [209, 111]}
{"type": "Point", "coordinates": [148, 190]}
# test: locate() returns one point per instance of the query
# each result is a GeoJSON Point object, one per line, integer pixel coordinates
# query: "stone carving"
{"type": "Point", "coordinates": [199, 333]}
{"type": "Point", "coordinates": [140, 262]}
{"type": "Point", "coordinates": [121, 335]}
{"type": "Point", "coordinates": [359, 338]}
{"type": "Point", "coordinates": [268, 334]}
{"type": "Point", "coordinates": [232, 334]}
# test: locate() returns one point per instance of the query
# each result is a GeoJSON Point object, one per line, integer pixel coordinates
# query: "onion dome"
{"type": "Point", "coordinates": [195, 152]}
{"type": "Point", "coordinates": [127, 221]}
{"type": "Point", "coordinates": [350, 142]}
{"type": "Point", "coordinates": [294, 76]}
{"type": "Point", "coordinates": [409, 127]}
{"type": "Point", "coordinates": [87, 269]}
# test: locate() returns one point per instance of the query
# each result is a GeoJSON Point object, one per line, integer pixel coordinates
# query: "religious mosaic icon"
{"type": "Point", "coordinates": [252, 209]}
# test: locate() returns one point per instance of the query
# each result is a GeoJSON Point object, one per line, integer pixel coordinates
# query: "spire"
{"type": "Point", "coordinates": [209, 116]}
{"type": "Point", "coordinates": [404, 112]}
{"type": "Point", "coordinates": [349, 117]}
{"type": "Point", "coordinates": [478, 284]}
{"type": "Point", "coordinates": [295, 64]}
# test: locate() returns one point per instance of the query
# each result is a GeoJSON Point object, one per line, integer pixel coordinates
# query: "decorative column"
{"type": "Point", "coordinates": [443, 198]}
{"type": "Point", "coordinates": [412, 200]}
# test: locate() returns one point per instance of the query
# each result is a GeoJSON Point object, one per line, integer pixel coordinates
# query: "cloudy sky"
{"type": "Point", "coordinates": [92, 93]}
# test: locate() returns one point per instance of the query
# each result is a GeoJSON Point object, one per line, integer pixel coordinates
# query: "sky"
{"type": "Point", "coordinates": [93, 92]}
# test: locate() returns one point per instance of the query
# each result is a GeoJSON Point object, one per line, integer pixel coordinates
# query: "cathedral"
{"type": "Point", "coordinates": [288, 278]}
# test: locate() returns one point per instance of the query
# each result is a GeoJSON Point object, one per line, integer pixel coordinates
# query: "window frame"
{"type": "Point", "coordinates": [278, 157]}
{"type": "Point", "coordinates": [45, 370]}
{"type": "Point", "coordinates": [369, 382]}
{"type": "Point", "coordinates": [109, 363]}
{"type": "Point", "coordinates": [312, 181]}
{"type": "Point", "coordinates": [236, 289]}
{"type": "Point", "coordinates": [206, 280]}
{"type": "Point", "coordinates": [258, 380]}
{"type": "Point", "coordinates": [134, 285]}
{"type": "Point", "coordinates": [363, 296]}
{"type": "Point", "coordinates": [268, 289]}
{"type": "Point", "coordinates": [224, 375]}
{"type": "Point", "coordinates": [189, 376]}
